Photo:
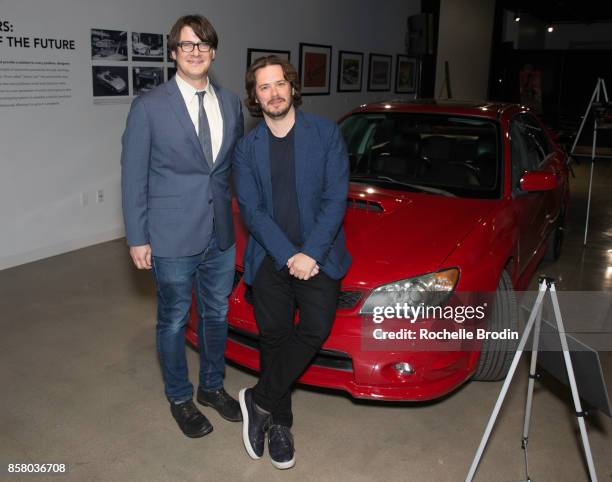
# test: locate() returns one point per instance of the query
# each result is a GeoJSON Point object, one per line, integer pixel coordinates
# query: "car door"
{"type": "Point", "coordinates": [556, 162]}
{"type": "Point", "coordinates": [531, 208]}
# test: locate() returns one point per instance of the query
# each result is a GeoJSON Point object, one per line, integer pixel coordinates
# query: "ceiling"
{"type": "Point", "coordinates": [563, 11]}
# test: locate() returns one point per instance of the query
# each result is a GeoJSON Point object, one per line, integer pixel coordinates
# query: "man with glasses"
{"type": "Point", "coordinates": [177, 149]}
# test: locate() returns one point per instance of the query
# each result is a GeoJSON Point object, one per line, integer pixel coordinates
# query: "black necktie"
{"type": "Point", "coordinates": [204, 130]}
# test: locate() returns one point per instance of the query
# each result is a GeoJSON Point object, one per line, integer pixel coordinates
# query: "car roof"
{"type": "Point", "coordinates": [487, 109]}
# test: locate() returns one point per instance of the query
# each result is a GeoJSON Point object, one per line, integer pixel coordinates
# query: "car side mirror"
{"type": "Point", "coordinates": [533, 181]}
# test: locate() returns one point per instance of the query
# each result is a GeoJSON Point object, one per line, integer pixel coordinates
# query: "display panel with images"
{"type": "Point", "coordinates": [350, 71]}
{"type": "Point", "coordinates": [379, 72]}
{"type": "Point", "coordinates": [108, 44]}
{"type": "Point", "coordinates": [148, 47]}
{"type": "Point", "coordinates": [315, 68]}
{"type": "Point", "coordinates": [110, 81]}
{"type": "Point", "coordinates": [146, 78]}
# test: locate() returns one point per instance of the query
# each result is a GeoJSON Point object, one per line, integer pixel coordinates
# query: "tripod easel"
{"type": "Point", "coordinates": [595, 99]}
{"type": "Point", "coordinates": [535, 323]}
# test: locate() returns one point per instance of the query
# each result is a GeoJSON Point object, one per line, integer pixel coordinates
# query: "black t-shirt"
{"type": "Point", "coordinates": [284, 193]}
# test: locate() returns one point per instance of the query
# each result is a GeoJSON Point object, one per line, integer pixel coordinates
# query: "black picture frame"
{"type": "Point", "coordinates": [315, 68]}
{"type": "Point", "coordinates": [406, 74]}
{"type": "Point", "coordinates": [253, 54]}
{"type": "Point", "coordinates": [350, 71]}
{"type": "Point", "coordinates": [379, 72]}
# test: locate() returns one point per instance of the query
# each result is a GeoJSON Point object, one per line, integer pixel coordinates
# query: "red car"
{"type": "Point", "coordinates": [448, 201]}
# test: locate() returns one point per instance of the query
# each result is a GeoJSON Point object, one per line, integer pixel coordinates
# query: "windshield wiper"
{"type": "Point", "coordinates": [416, 187]}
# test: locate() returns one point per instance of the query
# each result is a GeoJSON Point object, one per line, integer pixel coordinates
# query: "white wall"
{"type": "Point", "coordinates": [464, 40]}
{"type": "Point", "coordinates": [52, 155]}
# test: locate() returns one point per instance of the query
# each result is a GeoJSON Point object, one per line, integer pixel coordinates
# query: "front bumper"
{"type": "Point", "coordinates": [342, 363]}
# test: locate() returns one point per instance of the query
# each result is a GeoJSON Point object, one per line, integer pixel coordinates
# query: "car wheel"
{"type": "Point", "coordinates": [555, 243]}
{"type": "Point", "coordinates": [496, 355]}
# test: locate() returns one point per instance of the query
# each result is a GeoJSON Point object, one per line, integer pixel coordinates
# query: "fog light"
{"type": "Point", "coordinates": [403, 368]}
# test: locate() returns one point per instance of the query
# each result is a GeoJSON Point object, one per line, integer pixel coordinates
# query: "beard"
{"type": "Point", "coordinates": [277, 114]}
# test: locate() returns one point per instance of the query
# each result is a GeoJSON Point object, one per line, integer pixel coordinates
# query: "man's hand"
{"type": "Point", "coordinates": [302, 266]}
{"type": "Point", "coordinates": [141, 255]}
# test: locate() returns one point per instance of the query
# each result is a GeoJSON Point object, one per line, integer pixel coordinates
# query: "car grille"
{"type": "Point", "coordinates": [364, 204]}
{"type": "Point", "coordinates": [348, 299]}
{"type": "Point", "coordinates": [337, 360]}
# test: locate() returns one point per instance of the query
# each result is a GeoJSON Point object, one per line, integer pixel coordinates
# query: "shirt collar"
{"type": "Point", "coordinates": [189, 92]}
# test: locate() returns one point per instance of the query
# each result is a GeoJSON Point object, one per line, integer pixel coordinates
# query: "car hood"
{"type": "Point", "coordinates": [397, 234]}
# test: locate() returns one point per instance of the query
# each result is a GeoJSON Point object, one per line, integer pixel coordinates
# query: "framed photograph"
{"type": "Point", "coordinates": [109, 81]}
{"type": "Point", "coordinates": [406, 70]}
{"type": "Point", "coordinates": [168, 51]}
{"type": "Point", "coordinates": [350, 71]}
{"type": "Point", "coordinates": [146, 79]}
{"type": "Point", "coordinates": [379, 73]}
{"type": "Point", "coordinates": [170, 72]}
{"type": "Point", "coordinates": [254, 54]}
{"type": "Point", "coordinates": [147, 47]}
{"type": "Point", "coordinates": [315, 68]}
{"type": "Point", "coordinates": [108, 44]}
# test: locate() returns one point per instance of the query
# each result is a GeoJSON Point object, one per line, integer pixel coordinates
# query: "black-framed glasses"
{"type": "Point", "coordinates": [188, 47]}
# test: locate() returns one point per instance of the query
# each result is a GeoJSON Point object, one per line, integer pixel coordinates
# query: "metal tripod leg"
{"type": "Point", "coordinates": [572, 379]}
{"type": "Point", "coordinates": [504, 390]}
{"type": "Point", "coordinates": [586, 224]}
{"type": "Point", "coordinates": [532, 379]}
{"type": "Point", "coordinates": [586, 114]}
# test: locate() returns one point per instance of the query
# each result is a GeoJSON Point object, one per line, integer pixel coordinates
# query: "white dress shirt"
{"type": "Point", "coordinates": [212, 108]}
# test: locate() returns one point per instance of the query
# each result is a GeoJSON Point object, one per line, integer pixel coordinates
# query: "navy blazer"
{"type": "Point", "coordinates": [170, 195]}
{"type": "Point", "coordinates": [321, 171]}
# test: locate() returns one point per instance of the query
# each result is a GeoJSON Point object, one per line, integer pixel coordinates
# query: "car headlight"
{"type": "Point", "coordinates": [430, 289]}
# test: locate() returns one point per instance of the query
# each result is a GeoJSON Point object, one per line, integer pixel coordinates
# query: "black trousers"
{"type": "Point", "coordinates": [286, 348]}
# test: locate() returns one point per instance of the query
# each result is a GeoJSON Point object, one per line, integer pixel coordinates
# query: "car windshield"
{"type": "Point", "coordinates": [438, 154]}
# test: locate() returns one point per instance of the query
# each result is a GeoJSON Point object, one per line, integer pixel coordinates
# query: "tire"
{"type": "Point", "coordinates": [555, 242]}
{"type": "Point", "coordinates": [496, 355]}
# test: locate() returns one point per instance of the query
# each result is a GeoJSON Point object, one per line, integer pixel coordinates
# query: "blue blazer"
{"type": "Point", "coordinates": [321, 171]}
{"type": "Point", "coordinates": [170, 195]}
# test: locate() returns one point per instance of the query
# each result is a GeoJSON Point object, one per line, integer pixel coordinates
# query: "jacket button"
{"type": "Point", "coordinates": [210, 201]}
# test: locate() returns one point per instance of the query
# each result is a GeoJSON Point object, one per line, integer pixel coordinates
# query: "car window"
{"type": "Point", "coordinates": [539, 134]}
{"type": "Point", "coordinates": [523, 155]}
{"type": "Point", "coordinates": [537, 138]}
{"type": "Point", "coordinates": [454, 154]}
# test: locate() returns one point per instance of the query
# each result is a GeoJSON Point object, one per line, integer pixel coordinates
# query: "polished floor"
{"type": "Point", "coordinates": [81, 386]}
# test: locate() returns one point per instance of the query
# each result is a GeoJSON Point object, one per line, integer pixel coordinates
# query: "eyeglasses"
{"type": "Point", "coordinates": [189, 46]}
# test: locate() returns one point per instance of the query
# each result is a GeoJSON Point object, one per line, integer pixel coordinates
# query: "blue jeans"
{"type": "Point", "coordinates": [211, 273]}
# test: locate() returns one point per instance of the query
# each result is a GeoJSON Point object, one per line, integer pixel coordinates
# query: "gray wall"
{"type": "Point", "coordinates": [54, 155]}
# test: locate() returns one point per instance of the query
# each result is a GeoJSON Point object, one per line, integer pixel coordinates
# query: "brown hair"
{"type": "Point", "coordinates": [200, 26]}
{"type": "Point", "coordinates": [250, 84]}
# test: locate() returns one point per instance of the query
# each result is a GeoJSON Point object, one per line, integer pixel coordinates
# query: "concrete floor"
{"type": "Point", "coordinates": [82, 387]}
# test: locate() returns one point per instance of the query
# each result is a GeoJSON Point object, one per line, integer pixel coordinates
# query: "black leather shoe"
{"type": "Point", "coordinates": [280, 446]}
{"type": "Point", "coordinates": [221, 401]}
{"type": "Point", "coordinates": [254, 424]}
{"type": "Point", "coordinates": [190, 420]}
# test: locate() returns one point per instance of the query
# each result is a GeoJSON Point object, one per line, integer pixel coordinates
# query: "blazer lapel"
{"type": "Point", "coordinates": [262, 162]}
{"type": "Point", "coordinates": [302, 168]}
{"type": "Point", "coordinates": [225, 115]}
{"type": "Point", "coordinates": [177, 103]}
